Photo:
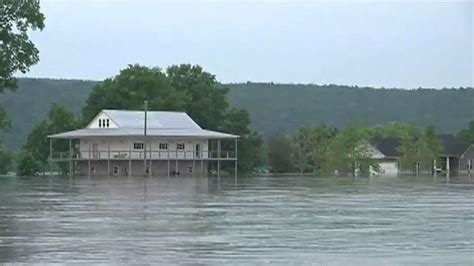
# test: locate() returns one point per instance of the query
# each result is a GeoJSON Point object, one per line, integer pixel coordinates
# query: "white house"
{"type": "Point", "coordinates": [384, 152]}
{"type": "Point", "coordinates": [114, 144]}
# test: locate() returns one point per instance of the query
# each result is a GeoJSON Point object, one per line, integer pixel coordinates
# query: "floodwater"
{"type": "Point", "coordinates": [256, 220]}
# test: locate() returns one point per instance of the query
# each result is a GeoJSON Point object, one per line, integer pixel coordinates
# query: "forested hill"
{"type": "Point", "coordinates": [274, 108]}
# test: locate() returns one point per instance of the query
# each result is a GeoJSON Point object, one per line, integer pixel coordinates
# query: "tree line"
{"type": "Point", "coordinates": [323, 150]}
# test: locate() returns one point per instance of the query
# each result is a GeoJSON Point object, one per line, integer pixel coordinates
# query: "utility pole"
{"type": "Point", "coordinates": [144, 139]}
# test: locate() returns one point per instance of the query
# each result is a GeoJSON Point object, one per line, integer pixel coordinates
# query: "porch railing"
{"type": "Point", "coordinates": [135, 155]}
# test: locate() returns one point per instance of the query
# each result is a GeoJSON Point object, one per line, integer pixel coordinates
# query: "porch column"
{"type": "Point", "coordinates": [447, 164]}
{"type": "Point", "coordinates": [168, 150]}
{"type": "Point", "coordinates": [129, 159]}
{"type": "Point", "coordinates": [235, 162]}
{"type": "Point", "coordinates": [212, 157]}
{"type": "Point", "coordinates": [70, 158]}
{"type": "Point", "coordinates": [202, 159]}
{"type": "Point", "coordinates": [50, 156]}
{"type": "Point", "coordinates": [108, 161]}
{"type": "Point", "coordinates": [194, 158]}
{"type": "Point", "coordinates": [218, 157]}
{"type": "Point", "coordinates": [150, 173]}
{"type": "Point", "coordinates": [89, 160]}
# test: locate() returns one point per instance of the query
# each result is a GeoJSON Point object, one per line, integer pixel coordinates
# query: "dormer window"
{"type": "Point", "coordinates": [100, 122]}
{"type": "Point", "coordinates": [108, 124]}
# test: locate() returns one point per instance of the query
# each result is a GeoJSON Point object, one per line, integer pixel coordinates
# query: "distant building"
{"type": "Point", "coordinates": [114, 144]}
{"type": "Point", "coordinates": [457, 156]}
{"type": "Point", "coordinates": [385, 153]}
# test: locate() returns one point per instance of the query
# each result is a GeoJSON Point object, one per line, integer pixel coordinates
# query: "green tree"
{"type": "Point", "coordinates": [279, 154]}
{"type": "Point", "coordinates": [130, 88]}
{"type": "Point", "coordinates": [17, 51]}
{"type": "Point", "coordinates": [60, 119]}
{"type": "Point", "coordinates": [6, 159]}
{"type": "Point", "coordinates": [250, 144]}
{"type": "Point", "coordinates": [207, 99]}
{"type": "Point", "coordinates": [28, 165]}
{"type": "Point", "coordinates": [467, 134]}
{"type": "Point", "coordinates": [432, 146]}
{"type": "Point", "coordinates": [303, 146]}
{"type": "Point", "coordinates": [322, 137]}
{"type": "Point", "coordinates": [350, 151]}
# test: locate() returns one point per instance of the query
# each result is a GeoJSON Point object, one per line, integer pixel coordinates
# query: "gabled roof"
{"type": "Point", "coordinates": [137, 132]}
{"type": "Point", "coordinates": [388, 146]}
{"type": "Point", "coordinates": [155, 119]}
{"type": "Point", "coordinates": [452, 146]}
{"type": "Point", "coordinates": [159, 124]}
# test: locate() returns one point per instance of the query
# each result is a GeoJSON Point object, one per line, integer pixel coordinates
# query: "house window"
{"type": "Point", "coordinates": [138, 145]}
{"type": "Point", "coordinates": [190, 169]}
{"type": "Point", "coordinates": [147, 170]}
{"type": "Point", "coordinates": [163, 146]}
{"type": "Point", "coordinates": [108, 122]}
{"type": "Point", "coordinates": [100, 122]}
{"type": "Point", "coordinates": [115, 170]}
{"type": "Point", "coordinates": [180, 146]}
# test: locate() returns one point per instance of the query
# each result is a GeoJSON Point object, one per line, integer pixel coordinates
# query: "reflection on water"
{"type": "Point", "coordinates": [256, 220]}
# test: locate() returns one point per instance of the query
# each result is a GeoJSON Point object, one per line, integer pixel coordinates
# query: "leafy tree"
{"type": "Point", "coordinates": [322, 137]}
{"type": "Point", "coordinates": [408, 152]}
{"type": "Point", "coordinates": [279, 154]}
{"type": "Point", "coordinates": [349, 151]}
{"type": "Point", "coordinates": [303, 146]}
{"type": "Point", "coordinates": [432, 146]}
{"type": "Point", "coordinates": [60, 119]}
{"type": "Point", "coordinates": [310, 146]}
{"type": "Point", "coordinates": [207, 99]}
{"type": "Point", "coordinates": [17, 51]}
{"type": "Point", "coordinates": [28, 165]}
{"type": "Point", "coordinates": [6, 159]}
{"type": "Point", "coordinates": [251, 153]}
{"type": "Point", "coordinates": [250, 143]}
{"type": "Point", "coordinates": [130, 88]}
{"type": "Point", "coordinates": [467, 134]}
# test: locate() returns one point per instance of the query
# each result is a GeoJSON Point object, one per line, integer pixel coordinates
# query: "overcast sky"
{"type": "Point", "coordinates": [372, 43]}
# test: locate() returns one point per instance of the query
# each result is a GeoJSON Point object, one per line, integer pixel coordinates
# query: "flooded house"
{"type": "Point", "coordinates": [385, 153]}
{"type": "Point", "coordinates": [135, 143]}
{"type": "Point", "coordinates": [456, 155]}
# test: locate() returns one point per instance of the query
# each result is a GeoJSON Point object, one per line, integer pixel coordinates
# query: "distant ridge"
{"type": "Point", "coordinates": [274, 108]}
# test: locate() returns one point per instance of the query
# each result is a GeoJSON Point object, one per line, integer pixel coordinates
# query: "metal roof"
{"type": "Point", "coordinates": [159, 124]}
{"type": "Point", "coordinates": [388, 146]}
{"type": "Point", "coordinates": [138, 132]}
{"type": "Point", "coordinates": [155, 119]}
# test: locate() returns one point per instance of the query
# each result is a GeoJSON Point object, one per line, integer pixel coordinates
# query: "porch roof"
{"type": "Point", "coordinates": [138, 132]}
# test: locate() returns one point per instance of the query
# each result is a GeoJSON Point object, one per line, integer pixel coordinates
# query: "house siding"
{"type": "Point", "coordinates": [467, 160]}
{"type": "Point", "coordinates": [122, 148]}
{"type": "Point", "coordinates": [158, 168]}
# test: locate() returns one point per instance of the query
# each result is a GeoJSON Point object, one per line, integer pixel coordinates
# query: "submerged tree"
{"type": "Point", "coordinates": [60, 119]}
{"type": "Point", "coordinates": [279, 154]}
{"type": "Point", "coordinates": [350, 151]}
{"type": "Point", "coordinates": [6, 159]}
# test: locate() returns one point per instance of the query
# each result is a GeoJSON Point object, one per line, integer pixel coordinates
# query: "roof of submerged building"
{"type": "Point", "coordinates": [131, 123]}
